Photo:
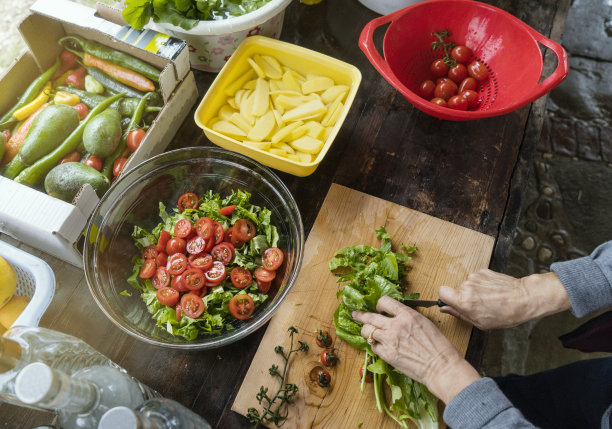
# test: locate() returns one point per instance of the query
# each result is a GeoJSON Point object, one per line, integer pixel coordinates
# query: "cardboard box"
{"type": "Point", "coordinates": [30, 215]}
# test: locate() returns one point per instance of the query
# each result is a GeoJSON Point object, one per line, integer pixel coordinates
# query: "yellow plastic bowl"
{"type": "Point", "coordinates": [300, 59]}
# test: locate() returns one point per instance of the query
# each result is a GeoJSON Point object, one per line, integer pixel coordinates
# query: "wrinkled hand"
{"type": "Point", "coordinates": [412, 344]}
{"type": "Point", "coordinates": [491, 300]}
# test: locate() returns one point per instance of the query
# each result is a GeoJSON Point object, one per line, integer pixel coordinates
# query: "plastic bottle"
{"type": "Point", "coordinates": [158, 413]}
{"type": "Point", "coordinates": [21, 346]}
{"type": "Point", "coordinates": [80, 400]}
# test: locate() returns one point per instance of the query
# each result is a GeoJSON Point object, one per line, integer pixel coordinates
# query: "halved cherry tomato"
{"type": "Point", "coordinates": [188, 200]}
{"type": "Point", "coordinates": [478, 70]}
{"type": "Point", "coordinates": [241, 277]}
{"type": "Point", "coordinates": [438, 101]}
{"type": "Point", "coordinates": [468, 83]}
{"type": "Point", "coordinates": [193, 278]}
{"type": "Point", "coordinates": [461, 54]}
{"type": "Point", "coordinates": [228, 210]}
{"type": "Point", "coordinates": [164, 236]}
{"type": "Point", "coordinates": [457, 102]}
{"type": "Point", "coordinates": [149, 252]}
{"type": "Point", "coordinates": [323, 339]}
{"type": "Point", "coordinates": [263, 286]}
{"type": "Point", "coordinates": [202, 261]}
{"type": "Point", "coordinates": [438, 68]}
{"type": "Point", "coordinates": [223, 252]}
{"type": "Point", "coordinates": [162, 259]}
{"type": "Point", "coordinates": [472, 98]}
{"type": "Point", "coordinates": [178, 283]}
{"type": "Point", "coordinates": [176, 245]}
{"type": "Point", "coordinates": [216, 274]}
{"type": "Point", "coordinates": [94, 162]}
{"type": "Point", "coordinates": [161, 278]}
{"type": "Point", "coordinates": [71, 157]}
{"type": "Point", "coordinates": [168, 296]}
{"type": "Point", "coordinates": [205, 228]}
{"type": "Point", "coordinates": [272, 258]}
{"type": "Point", "coordinates": [323, 378]}
{"type": "Point", "coordinates": [264, 275]}
{"type": "Point", "coordinates": [183, 228]}
{"type": "Point", "coordinates": [368, 378]}
{"type": "Point", "coordinates": [147, 269]}
{"type": "Point", "coordinates": [196, 245]}
{"type": "Point", "coordinates": [177, 263]}
{"type": "Point", "coordinates": [244, 230]}
{"type": "Point", "coordinates": [457, 73]}
{"type": "Point", "coordinates": [179, 312]}
{"type": "Point", "coordinates": [218, 232]}
{"type": "Point", "coordinates": [241, 306]}
{"type": "Point", "coordinates": [192, 305]}
{"type": "Point", "coordinates": [134, 138]}
{"type": "Point", "coordinates": [118, 166]}
{"type": "Point", "coordinates": [426, 89]}
{"type": "Point", "coordinates": [329, 357]}
{"type": "Point", "coordinates": [201, 292]}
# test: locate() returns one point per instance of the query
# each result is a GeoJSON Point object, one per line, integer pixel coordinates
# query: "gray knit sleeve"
{"type": "Point", "coordinates": [588, 280]}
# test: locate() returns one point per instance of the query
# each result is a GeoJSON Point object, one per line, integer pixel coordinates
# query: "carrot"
{"type": "Point", "coordinates": [122, 74]}
{"type": "Point", "coordinates": [14, 143]}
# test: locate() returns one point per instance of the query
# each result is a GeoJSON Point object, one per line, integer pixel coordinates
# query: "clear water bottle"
{"type": "Point", "coordinates": [22, 345]}
{"type": "Point", "coordinates": [80, 400]}
{"type": "Point", "coordinates": [157, 413]}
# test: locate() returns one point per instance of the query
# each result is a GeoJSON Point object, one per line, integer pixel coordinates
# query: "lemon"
{"type": "Point", "coordinates": [8, 281]}
{"type": "Point", "coordinates": [11, 311]}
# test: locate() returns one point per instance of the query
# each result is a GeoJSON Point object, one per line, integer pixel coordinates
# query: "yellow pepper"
{"type": "Point", "coordinates": [31, 107]}
{"type": "Point", "coordinates": [62, 79]}
{"type": "Point", "coordinates": [63, 97]}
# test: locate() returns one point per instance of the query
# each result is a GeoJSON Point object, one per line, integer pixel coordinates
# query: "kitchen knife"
{"type": "Point", "coordinates": [423, 303]}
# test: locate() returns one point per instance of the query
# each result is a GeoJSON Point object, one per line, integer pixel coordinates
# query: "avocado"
{"type": "Point", "coordinates": [65, 180]}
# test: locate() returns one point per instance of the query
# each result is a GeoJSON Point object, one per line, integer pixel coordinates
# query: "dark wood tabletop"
{"type": "Point", "coordinates": [471, 173]}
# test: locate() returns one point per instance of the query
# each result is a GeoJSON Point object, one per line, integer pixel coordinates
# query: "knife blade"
{"type": "Point", "coordinates": [423, 303]}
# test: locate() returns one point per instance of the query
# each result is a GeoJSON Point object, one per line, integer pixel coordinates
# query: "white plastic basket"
{"type": "Point", "coordinates": [35, 279]}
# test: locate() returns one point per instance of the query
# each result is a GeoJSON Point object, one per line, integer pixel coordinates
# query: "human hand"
{"type": "Point", "coordinates": [491, 300]}
{"type": "Point", "coordinates": [412, 344]}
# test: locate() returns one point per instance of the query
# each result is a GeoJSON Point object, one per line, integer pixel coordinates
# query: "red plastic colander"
{"type": "Point", "coordinates": [507, 46]}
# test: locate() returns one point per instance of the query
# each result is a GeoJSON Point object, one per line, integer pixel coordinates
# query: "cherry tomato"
{"type": "Point", "coordinates": [244, 230]}
{"type": "Point", "coordinates": [82, 110]}
{"type": "Point", "coordinates": [168, 296]}
{"type": "Point", "coordinates": [196, 245]}
{"type": "Point", "coordinates": [94, 162]}
{"type": "Point", "coordinates": [272, 258]}
{"type": "Point", "coordinates": [202, 261]}
{"type": "Point", "coordinates": [477, 70]}
{"type": "Point", "coordinates": [235, 241]}
{"type": "Point", "coordinates": [147, 269]}
{"type": "Point", "coordinates": [177, 263]}
{"type": "Point", "coordinates": [134, 138]}
{"type": "Point", "coordinates": [438, 101]}
{"type": "Point", "coordinates": [241, 277]}
{"type": "Point", "coordinates": [182, 228]}
{"type": "Point", "coordinates": [262, 286]}
{"type": "Point", "coordinates": [426, 89]}
{"type": "Point", "coordinates": [218, 232]}
{"type": "Point", "coordinates": [445, 90]}
{"type": "Point", "coordinates": [443, 79]}
{"type": "Point", "coordinates": [457, 73]}
{"type": "Point", "coordinates": [193, 278]}
{"type": "Point", "coordinates": [205, 228]}
{"type": "Point", "coordinates": [461, 54]}
{"type": "Point", "coordinates": [368, 378]}
{"type": "Point", "coordinates": [179, 312]}
{"type": "Point", "coordinates": [472, 98]}
{"type": "Point", "coordinates": [201, 292]}
{"type": "Point", "coordinates": [164, 236]}
{"type": "Point", "coordinates": [161, 278]}
{"type": "Point", "coordinates": [323, 339]}
{"type": "Point", "coordinates": [7, 134]}
{"type": "Point", "coordinates": [223, 252]}
{"type": "Point", "coordinates": [468, 83]}
{"type": "Point", "coordinates": [178, 283]}
{"type": "Point", "coordinates": [438, 68]}
{"type": "Point", "coordinates": [227, 210]}
{"type": "Point", "coordinates": [329, 357]}
{"type": "Point", "coordinates": [323, 378]}
{"type": "Point", "coordinates": [149, 252]}
{"type": "Point", "coordinates": [118, 166]}
{"type": "Point", "coordinates": [161, 259]}
{"type": "Point", "coordinates": [188, 200]}
{"type": "Point", "coordinates": [457, 102]}
{"type": "Point", "coordinates": [241, 306]}
{"type": "Point", "coordinates": [71, 157]}
{"type": "Point", "coordinates": [192, 305]}
{"type": "Point", "coordinates": [176, 245]}
{"type": "Point", "coordinates": [216, 274]}
{"type": "Point", "coordinates": [264, 275]}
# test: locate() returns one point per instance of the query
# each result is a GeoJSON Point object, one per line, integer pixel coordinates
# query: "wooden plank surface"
{"type": "Point", "coordinates": [447, 254]}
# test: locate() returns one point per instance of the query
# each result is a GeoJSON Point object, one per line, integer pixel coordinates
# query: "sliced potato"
{"type": "Point", "coordinates": [251, 84]}
{"type": "Point", "coordinates": [261, 97]}
{"type": "Point", "coordinates": [331, 93]}
{"type": "Point", "coordinates": [315, 129]}
{"type": "Point", "coordinates": [225, 112]}
{"type": "Point", "coordinates": [297, 133]}
{"type": "Point", "coordinates": [278, 152]}
{"type": "Point", "coordinates": [332, 114]}
{"type": "Point", "coordinates": [304, 157]}
{"type": "Point", "coordinates": [272, 67]}
{"type": "Point", "coordinates": [231, 89]}
{"type": "Point", "coordinates": [308, 109]}
{"type": "Point", "coordinates": [291, 83]}
{"type": "Point", "coordinates": [282, 133]}
{"type": "Point", "coordinates": [258, 145]}
{"type": "Point", "coordinates": [307, 144]}
{"type": "Point", "coordinates": [241, 122]}
{"type": "Point", "coordinates": [229, 130]}
{"type": "Point", "coordinates": [232, 102]}
{"type": "Point", "coordinates": [263, 127]}
{"type": "Point", "coordinates": [317, 84]}
{"type": "Point", "coordinates": [257, 68]}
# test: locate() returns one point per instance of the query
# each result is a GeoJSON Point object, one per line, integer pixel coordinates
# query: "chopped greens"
{"type": "Point", "coordinates": [369, 273]}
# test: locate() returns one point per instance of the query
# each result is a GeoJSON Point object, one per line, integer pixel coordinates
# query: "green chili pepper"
{"type": "Point", "coordinates": [107, 169]}
{"type": "Point", "coordinates": [113, 86]}
{"type": "Point", "coordinates": [35, 173]}
{"type": "Point", "coordinates": [33, 90]}
{"type": "Point", "coordinates": [113, 56]}
{"type": "Point", "coordinates": [126, 106]}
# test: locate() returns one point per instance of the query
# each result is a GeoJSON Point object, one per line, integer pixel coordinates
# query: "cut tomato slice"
{"type": "Point", "coordinates": [272, 258]}
{"type": "Point", "coordinates": [227, 210]}
{"type": "Point", "coordinates": [147, 269]}
{"type": "Point", "coordinates": [223, 252]}
{"type": "Point", "coordinates": [168, 296]}
{"type": "Point", "coordinates": [244, 230]}
{"type": "Point", "coordinates": [162, 259]}
{"type": "Point", "coordinates": [202, 261]}
{"type": "Point", "coordinates": [149, 252]}
{"type": "Point", "coordinates": [193, 278]}
{"type": "Point", "coordinates": [192, 305]}
{"type": "Point", "coordinates": [161, 279]}
{"type": "Point", "coordinates": [164, 236]}
{"type": "Point", "coordinates": [205, 228]}
{"type": "Point", "coordinates": [241, 277]}
{"type": "Point", "coordinates": [263, 287]}
{"type": "Point", "coordinates": [183, 228]}
{"type": "Point", "coordinates": [241, 306]}
{"type": "Point", "coordinates": [177, 263]}
{"type": "Point", "coordinates": [196, 245]}
{"type": "Point", "coordinates": [218, 232]}
{"type": "Point", "coordinates": [264, 275]}
{"type": "Point", "coordinates": [216, 274]}
{"type": "Point", "coordinates": [178, 283]}
{"type": "Point", "coordinates": [179, 312]}
{"type": "Point", "coordinates": [188, 200]}
{"type": "Point", "coordinates": [176, 245]}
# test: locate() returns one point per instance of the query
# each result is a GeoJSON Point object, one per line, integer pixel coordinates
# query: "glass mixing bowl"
{"type": "Point", "coordinates": [134, 200]}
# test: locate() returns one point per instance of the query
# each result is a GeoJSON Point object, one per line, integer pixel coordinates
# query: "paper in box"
{"type": "Point", "coordinates": [32, 216]}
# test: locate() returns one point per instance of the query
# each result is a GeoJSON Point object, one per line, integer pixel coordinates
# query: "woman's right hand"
{"type": "Point", "coordinates": [491, 300]}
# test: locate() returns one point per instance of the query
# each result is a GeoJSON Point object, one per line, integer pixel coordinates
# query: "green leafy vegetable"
{"type": "Point", "coordinates": [369, 273]}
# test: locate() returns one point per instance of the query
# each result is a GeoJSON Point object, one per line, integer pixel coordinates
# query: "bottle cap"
{"type": "Point", "coordinates": [119, 418]}
{"type": "Point", "coordinates": [36, 383]}
{"type": "Point", "coordinates": [10, 353]}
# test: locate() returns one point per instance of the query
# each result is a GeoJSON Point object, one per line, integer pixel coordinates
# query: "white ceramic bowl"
{"type": "Point", "coordinates": [385, 7]}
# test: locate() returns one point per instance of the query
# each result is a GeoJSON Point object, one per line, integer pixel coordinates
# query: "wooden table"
{"type": "Point", "coordinates": [469, 173]}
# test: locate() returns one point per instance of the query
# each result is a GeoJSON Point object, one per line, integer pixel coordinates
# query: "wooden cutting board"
{"type": "Point", "coordinates": [446, 254]}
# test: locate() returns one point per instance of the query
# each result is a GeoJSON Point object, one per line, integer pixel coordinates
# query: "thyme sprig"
{"type": "Point", "coordinates": [447, 47]}
{"type": "Point", "coordinates": [277, 412]}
